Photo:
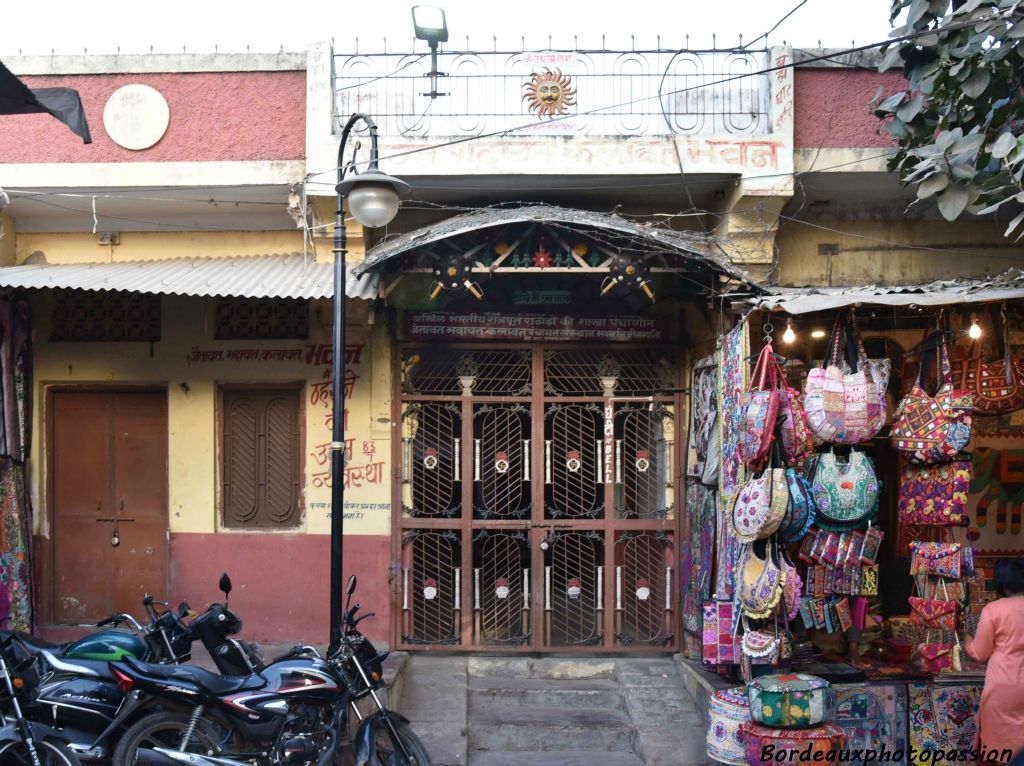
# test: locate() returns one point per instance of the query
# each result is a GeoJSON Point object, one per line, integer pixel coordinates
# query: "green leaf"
{"type": "Point", "coordinates": [932, 185]}
{"type": "Point", "coordinates": [1003, 145]}
{"type": "Point", "coordinates": [911, 109]}
{"type": "Point", "coordinates": [890, 105]}
{"type": "Point", "coordinates": [963, 172]}
{"type": "Point", "coordinates": [917, 10]}
{"type": "Point", "coordinates": [1013, 225]}
{"type": "Point", "coordinates": [968, 145]}
{"type": "Point", "coordinates": [1016, 31]}
{"type": "Point", "coordinates": [953, 201]}
{"type": "Point", "coordinates": [898, 128]}
{"type": "Point", "coordinates": [975, 85]}
{"type": "Point", "coordinates": [890, 59]}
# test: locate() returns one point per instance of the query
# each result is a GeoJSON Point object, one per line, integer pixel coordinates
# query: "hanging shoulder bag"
{"type": "Point", "coordinates": [801, 512]}
{"type": "Point", "coordinates": [760, 505]}
{"type": "Point", "coordinates": [845, 494]}
{"type": "Point", "coordinates": [997, 387]}
{"type": "Point", "coordinates": [759, 580]}
{"type": "Point", "coordinates": [759, 408]}
{"type": "Point", "coordinates": [933, 429]}
{"type": "Point", "coordinates": [934, 495]}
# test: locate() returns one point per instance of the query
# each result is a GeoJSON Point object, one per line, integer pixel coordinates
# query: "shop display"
{"type": "Point", "coordinates": [872, 717]}
{"type": "Point", "coordinates": [759, 579]}
{"type": "Point", "coordinates": [727, 709]}
{"type": "Point", "coordinates": [942, 717]}
{"type": "Point", "coordinates": [759, 407]}
{"type": "Point", "coordinates": [791, 700]}
{"type": "Point", "coordinates": [721, 643]}
{"type": "Point", "coordinates": [942, 559]}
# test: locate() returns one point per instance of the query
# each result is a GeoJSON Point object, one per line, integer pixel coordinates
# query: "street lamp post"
{"type": "Point", "coordinates": [373, 200]}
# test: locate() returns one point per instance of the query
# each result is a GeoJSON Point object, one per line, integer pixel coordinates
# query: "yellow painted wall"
{"type": "Point", "coordinates": [184, 361]}
{"type": "Point", "coordinates": [7, 239]}
{"type": "Point", "coordinates": [867, 254]}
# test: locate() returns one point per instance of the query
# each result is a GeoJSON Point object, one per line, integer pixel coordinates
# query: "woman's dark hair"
{"type": "Point", "coordinates": [1010, 576]}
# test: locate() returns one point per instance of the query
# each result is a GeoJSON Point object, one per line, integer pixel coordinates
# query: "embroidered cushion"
{"type": "Point", "coordinates": [791, 700]}
{"type": "Point", "coordinates": [727, 709]}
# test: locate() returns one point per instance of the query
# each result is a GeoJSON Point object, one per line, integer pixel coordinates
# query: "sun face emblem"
{"type": "Point", "coordinates": [549, 93]}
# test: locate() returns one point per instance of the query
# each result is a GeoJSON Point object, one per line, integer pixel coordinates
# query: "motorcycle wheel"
{"type": "Point", "coordinates": [15, 753]}
{"type": "Point", "coordinates": [385, 750]}
{"type": "Point", "coordinates": [163, 729]}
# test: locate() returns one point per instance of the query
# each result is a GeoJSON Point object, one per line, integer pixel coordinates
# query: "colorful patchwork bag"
{"type": "Point", "coordinates": [759, 408]}
{"type": "Point", "coordinates": [792, 586]}
{"type": "Point", "coordinates": [801, 512]}
{"type": "Point", "coordinates": [727, 709]}
{"type": "Point", "coordinates": [942, 559]}
{"type": "Point", "coordinates": [759, 580]}
{"type": "Point", "coordinates": [760, 506]}
{"type": "Point", "coordinates": [721, 644]}
{"type": "Point", "coordinates": [794, 433]}
{"type": "Point", "coordinates": [845, 494]}
{"type": "Point", "coordinates": [845, 400]}
{"type": "Point", "coordinates": [821, 744]}
{"type": "Point", "coordinates": [791, 700]}
{"type": "Point", "coordinates": [932, 613]}
{"type": "Point", "coordinates": [997, 387]}
{"type": "Point", "coordinates": [934, 495]}
{"type": "Point", "coordinates": [933, 429]}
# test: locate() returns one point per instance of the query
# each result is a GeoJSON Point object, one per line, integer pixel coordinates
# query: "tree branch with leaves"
{"type": "Point", "coordinates": [959, 124]}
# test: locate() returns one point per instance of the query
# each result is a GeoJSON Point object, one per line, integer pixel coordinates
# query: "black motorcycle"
{"type": "Point", "coordinates": [294, 711]}
{"type": "Point", "coordinates": [24, 742]}
{"type": "Point", "coordinates": [80, 695]}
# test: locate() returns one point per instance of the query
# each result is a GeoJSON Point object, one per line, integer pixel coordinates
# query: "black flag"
{"type": "Point", "coordinates": [63, 103]}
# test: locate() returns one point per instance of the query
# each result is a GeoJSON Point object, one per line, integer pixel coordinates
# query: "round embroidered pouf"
{"type": "Point", "coordinates": [727, 710]}
{"type": "Point", "coordinates": [791, 700]}
{"type": "Point", "coordinates": [827, 739]}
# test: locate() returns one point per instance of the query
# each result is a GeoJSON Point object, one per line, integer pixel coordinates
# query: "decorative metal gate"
{"type": "Point", "coordinates": [537, 498]}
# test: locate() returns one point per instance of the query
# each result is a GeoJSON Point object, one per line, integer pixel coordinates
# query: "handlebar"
{"type": "Point", "coordinates": [117, 618]}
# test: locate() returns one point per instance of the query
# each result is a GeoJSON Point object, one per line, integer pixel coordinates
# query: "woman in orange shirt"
{"type": "Point", "coordinates": [999, 641]}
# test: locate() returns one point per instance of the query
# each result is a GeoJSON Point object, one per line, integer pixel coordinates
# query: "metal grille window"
{"type": "Point", "coordinates": [643, 589]}
{"type": "Point", "coordinates": [643, 461]}
{"type": "Point", "coordinates": [501, 588]}
{"type": "Point", "coordinates": [262, 319]}
{"type": "Point", "coordinates": [431, 588]}
{"type": "Point", "coordinates": [573, 588]}
{"type": "Point", "coordinates": [579, 373]}
{"type": "Point", "coordinates": [431, 464]}
{"type": "Point", "coordinates": [261, 457]}
{"type": "Point", "coordinates": [437, 371]}
{"type": "Point", "coordinates": [104, 315]}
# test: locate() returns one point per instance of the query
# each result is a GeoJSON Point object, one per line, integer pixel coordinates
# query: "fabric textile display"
{"type": "Point", "coordinates": [16, 521]}
{"type": "Point", "coordinates": [872, 716]}
{"type": "Point", "coordinates": [701, 507]}
{"type": "Point", "coordinates": [942, 717]}
{"type": "Point", "coordinates": [732, 381]}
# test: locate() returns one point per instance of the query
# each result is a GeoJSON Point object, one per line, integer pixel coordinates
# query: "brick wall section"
{"type": "Point", "coordinates": [215, 116]}
{"type": "Point", "coordinates": [832, 108]}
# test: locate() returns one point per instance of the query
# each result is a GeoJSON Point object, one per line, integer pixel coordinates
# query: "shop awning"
{"type": "Point", "coordinates": [806, 300]}
{"type": "Point", "coordinates": [288, 275]}
{"type": "Point", "coordinates": [634, 233]}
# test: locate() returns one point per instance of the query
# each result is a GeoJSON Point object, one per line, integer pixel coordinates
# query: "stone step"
{"type": "Point", "coordinates": [548, 667]}
{"type": "Point", "coordinates": [544, 692]}
{"type": "Point", "coordinates": [558, 758]}
{"type": "Point", "coordinates": [522, 728]}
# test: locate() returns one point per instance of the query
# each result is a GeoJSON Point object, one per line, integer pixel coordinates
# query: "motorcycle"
{"type": "Point", "coordinates": [24, 742]}
{"type": "Point", "coordinates": [294, 711]}
{"type": "Point", "coordinates": [81, 696]}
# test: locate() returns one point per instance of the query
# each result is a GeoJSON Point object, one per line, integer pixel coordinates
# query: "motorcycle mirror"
{"type": "Point", "coordinates": [184, 609]}
{"type": "Point", "coordinates": [225, 585]}
{"type": "Point", "coordinates": [351, 587]}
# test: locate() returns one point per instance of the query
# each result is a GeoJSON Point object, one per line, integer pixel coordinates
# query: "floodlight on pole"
{"type": "Point", "coordinates": [430, 24]}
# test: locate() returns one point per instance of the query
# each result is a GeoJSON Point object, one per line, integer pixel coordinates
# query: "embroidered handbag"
{"type": "Point", "coordinates": [760, 506]}
{"type": "Point", "coordinates": [996, 387]}
{"type": "Point", "coordinates": [791, 700]}
{"type": "Point", "coordinates": [845, 495]}
{"type": "Point", "coordinates": [943, 559]}
{"type": "Point", "coordinates": [933, 614]}
{"type": "Point", "coordinates": [794, 433]}
{"type": "Point", "coordinates": [933, 429]}
{"type": "Point", "coordinates": [727, 709]}
{"type": "Point", "coordinates": [759, 580]}
{"type": "Point", "coordinates": [721, 644]}
{"type": "Point", "coordinates": [869, 580]}
{"type": "Point", "coordinates": [934, 495]}
{"type": "Point", "coordinates": [759, 408]}
{"type": "Point", "coordinates": [792, 587]}
{"type": "Point", "coordinates": [821, 744]}
{"type": "Point", "coordinates": [759, 647]}
{"type": "Point", "coordinates": [935, 657]}
{"type": "Point", "coordinates": [800, 513]}
{"type": "Point", "coordinates": [937, 588]}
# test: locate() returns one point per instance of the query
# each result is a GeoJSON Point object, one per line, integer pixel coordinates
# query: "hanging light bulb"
{"type": "Point", "coordinates": [975, 329]}
{"type": "Point", "coordinates": [789, 336]}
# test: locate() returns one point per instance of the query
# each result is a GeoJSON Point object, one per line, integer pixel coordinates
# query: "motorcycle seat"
{"type": "Point", "coordinates": [36, 645]}
{"type": "Point", "coordinates": [218, 685]}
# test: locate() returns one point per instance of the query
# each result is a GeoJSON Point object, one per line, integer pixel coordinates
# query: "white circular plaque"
{"type": "Point", "coordinates": [136, 116]}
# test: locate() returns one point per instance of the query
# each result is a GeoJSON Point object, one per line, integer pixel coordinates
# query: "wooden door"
{"type": "Point", "coordinates": [108, 469]}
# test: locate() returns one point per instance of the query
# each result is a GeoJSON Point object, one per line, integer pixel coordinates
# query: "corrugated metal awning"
{"type": "Point", "coordinates": [288, 275]}
{"type": "Point", "coordinates": [807, 300]}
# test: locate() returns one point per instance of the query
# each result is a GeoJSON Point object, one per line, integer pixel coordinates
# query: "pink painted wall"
{"type": "Point", "coordinates": [214, 116]}
{"type": "Point", "coordinates": [832, 108]}
{"type": "Point", "coordinates": [281, 582]}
